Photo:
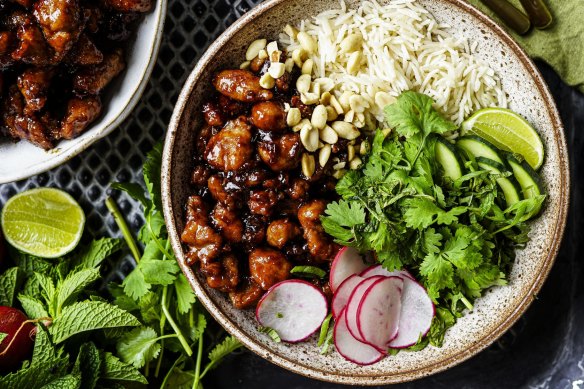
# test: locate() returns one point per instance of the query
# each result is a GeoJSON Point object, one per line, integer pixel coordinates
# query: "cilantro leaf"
{"type": "Point", "coordinates": [420, 212]}
{"type": "Point", "coordinates": [152, 174]}
{"type": "Point", "coordinates": [229, 345]}
{"type": "Point", "coordinates": [158, 272]}
{"type": "Point", "coordinates": [185, 296]}
{"type": "Point", "coordinates": [413, 113]}
{"type": "Point", "coordinates": [134, 284]}
{"type": "Point", "coordinates": [139, 346]}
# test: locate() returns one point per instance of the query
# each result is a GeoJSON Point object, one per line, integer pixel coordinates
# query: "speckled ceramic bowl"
{"type": "Point", "coordinates": [496, 311]}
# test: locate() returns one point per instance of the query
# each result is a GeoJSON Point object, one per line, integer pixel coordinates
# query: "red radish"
{"type": "Point", "coordinates": [353, 305]}
{"type": "Point", "coordinates": [379, 270]}
{"type": "Point", "coordinates": [352, 349]}
{"type": "Point", "coordinates": [295, 309]}
{"type": "Point", "coordinates": [416, 315]}
{"type": "Point", "coordinates": [347, 262]}
{"type": "Point", "coordinates": [341, 296]}
{"type": "Point", "coordinates": [18, 344]}
{"type": "Point", "coordinates": [378, 312]}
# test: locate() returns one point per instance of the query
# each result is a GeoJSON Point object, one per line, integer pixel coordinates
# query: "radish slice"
{"type": "Point", "coordinates": [379, 270]}
{"type": "Point", "coordinates": [379, 311]}
{"type": "Point", "coordinates": [341, 296]}
{"type": "Point", "coordinates": [416, 315]}
{"type": "Point", "coordinates": [353, 305]}
{"type": "Point", "coordinates": [347, 262]}
{"type": "Point", "coordinates": [350, 348]}
{"type": "Point", "coordinates": [295, 309]}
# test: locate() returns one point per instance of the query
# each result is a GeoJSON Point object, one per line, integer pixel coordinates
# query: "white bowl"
{"type": "Point", "coordinates": [22, 159]}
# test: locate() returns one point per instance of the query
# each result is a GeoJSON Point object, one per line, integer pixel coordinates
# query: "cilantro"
{"type": "Point", "coordinates": [454, 236]}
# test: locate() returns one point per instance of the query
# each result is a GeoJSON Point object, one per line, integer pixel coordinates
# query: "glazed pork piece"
{"type": "Point", "coordinates": [56, 59]}
{"type": "Point", "coordinates": [253, 214]}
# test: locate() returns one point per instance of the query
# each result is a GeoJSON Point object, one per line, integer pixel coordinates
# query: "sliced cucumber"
{"type": "Point", "coordinates": [527, 178]}
{"type": "Point", "coordinates": [478, 147]}
{"type": "Point", "coordinates": [448, 158]}
{"type": "Point", "coordinates": [509, 186]}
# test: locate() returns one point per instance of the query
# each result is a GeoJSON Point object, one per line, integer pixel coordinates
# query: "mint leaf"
{"type": "Point", "coordinates": [48, 286]}
{"type": "Point", "coordinates": [8, 285]}
{"type": "Point", "coordinates": [74, 284]}
{"type": "Point", "coordinates": [92, 255]}
{"type": "Point", "coordinates": [70, 381]}
{"type": "Point", "coordinates": [139, 346]}
{"type": "Point", "coordinates": [47, 364]}
{"type": "Point", "coordinates": [185, 296]}
{"type": "Point", "coordinates": [87, 316]}
{"type": "Point", "coordinates": [114, 369]}
{"type": "Point", "coordinates": [88, 365]}
{"type": "Point", "coordinates": [33, 308]}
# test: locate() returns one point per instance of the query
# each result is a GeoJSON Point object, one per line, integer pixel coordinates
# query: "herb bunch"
{"type": "Point", "coordinates": [149, 330]}
{"type": "Point", "coordinates": [455, 236]}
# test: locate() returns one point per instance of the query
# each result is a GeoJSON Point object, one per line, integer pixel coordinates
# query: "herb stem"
{"type": "Point", "coordinates": [172, 323]}
{"type": "Point", "coordinates": [198, 363]}
{"type": "Point", "coordinates": [121, 222]}
{"type": "Point", "coordinates": [167, 376]}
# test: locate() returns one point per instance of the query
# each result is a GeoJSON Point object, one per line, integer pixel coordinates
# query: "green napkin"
{"type": "Point", "coordinates": [561, 45]}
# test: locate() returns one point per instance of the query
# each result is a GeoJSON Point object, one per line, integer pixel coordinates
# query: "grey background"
{"type": "Point", "coordinates": [545, 349]}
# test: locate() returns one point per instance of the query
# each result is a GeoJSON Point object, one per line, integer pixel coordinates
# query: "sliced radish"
{"type": "Point", "coordinates": [295, 309]}
{"type": "Point", "coordinates": [379, 270]}
{"type": "Point", "coordinates": [350, 348]}
{"type": "Point", "coordinates": [416, 315]}
{"type": "Point", "coordinates": [343, 292]}
{"type": "Point", "coordinates": [353, 305]}
{"type": "Point", "coordinates": [347, 262]}
{"type": "Point", "coordinates": [379, 311]}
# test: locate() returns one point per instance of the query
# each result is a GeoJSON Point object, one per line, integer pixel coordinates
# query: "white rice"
{"type": "Point", "coordinates": [404, 48]}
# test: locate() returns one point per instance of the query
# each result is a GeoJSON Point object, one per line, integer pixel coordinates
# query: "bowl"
{"type": "Point", "coordinates": [496, 311]}
{"type": "Point", "coordinates": [22, 159]}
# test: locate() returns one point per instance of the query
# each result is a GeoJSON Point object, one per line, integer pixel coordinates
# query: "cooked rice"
{"type": "Point", "coordinates": [404, 48]}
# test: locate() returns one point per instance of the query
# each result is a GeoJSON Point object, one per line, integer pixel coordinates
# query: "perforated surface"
{"type": "Point", "coordinates": [543, 350]}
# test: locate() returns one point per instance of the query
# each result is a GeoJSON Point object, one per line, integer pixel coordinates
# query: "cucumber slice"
{"type": "Point", "coordinates": [448, 158]}
{"type": "Point", "coordinates": [509, 186]}
{"type": "Point", "coordinates": [478, 147]}
{"type": "Point", "coordinates": [527, 178]}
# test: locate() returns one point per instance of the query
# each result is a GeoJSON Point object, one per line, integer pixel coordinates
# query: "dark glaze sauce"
{"type": "Point", "coordinates": [253, 215]}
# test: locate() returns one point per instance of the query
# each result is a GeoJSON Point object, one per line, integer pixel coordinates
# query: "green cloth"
{"type": "Point", "coordinates": [561, 45]}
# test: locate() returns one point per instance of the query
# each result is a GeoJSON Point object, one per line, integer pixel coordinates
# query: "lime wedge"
{"type": "Point", "coordinates": [508, 131]}
{"type": "Point", "coordinates": [44, 222]}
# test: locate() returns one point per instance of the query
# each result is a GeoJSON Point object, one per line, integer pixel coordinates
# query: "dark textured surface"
{"type": "Point", "coordinates": [545, 349]}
